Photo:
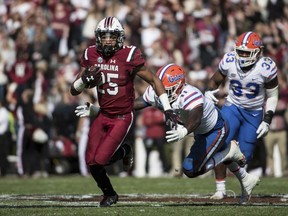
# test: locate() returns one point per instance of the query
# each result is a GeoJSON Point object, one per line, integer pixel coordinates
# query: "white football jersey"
{"type": "Point", "coordinates": [247, 90]}
{"type": "Point", "coordinates": [190, 98]}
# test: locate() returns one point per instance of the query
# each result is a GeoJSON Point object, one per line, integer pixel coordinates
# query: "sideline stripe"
{"type": "Point", "coordinates": [133, 200]}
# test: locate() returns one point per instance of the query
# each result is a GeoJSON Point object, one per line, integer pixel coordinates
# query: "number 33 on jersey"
{"type": "Point", "coordinates": [247, 89]}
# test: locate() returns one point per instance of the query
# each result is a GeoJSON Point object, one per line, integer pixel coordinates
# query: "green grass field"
{"type": "Point", "coordinates": [71, 195]}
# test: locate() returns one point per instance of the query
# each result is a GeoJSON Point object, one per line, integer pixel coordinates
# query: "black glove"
{"type": "Point", "coordinates": [171, 118]}
{"type": "Point", "coordinates": [91, 76]}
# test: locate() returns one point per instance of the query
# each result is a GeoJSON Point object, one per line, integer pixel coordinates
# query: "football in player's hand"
{"type": "Point", "coordinates": [92, 77]}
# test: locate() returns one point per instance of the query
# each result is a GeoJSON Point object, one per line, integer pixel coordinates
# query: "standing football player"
{"type": "Point", "coordinates": [111, 68]}
{"type": "Point", "coordinates": [252, 79]}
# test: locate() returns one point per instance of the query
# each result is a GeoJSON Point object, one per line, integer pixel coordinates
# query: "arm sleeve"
{"type": "Point", "coordinates": [272, 99]}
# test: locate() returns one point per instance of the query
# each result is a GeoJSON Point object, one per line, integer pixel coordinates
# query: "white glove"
{"type": "Point", "coordinates": [211, 95]}
{"type": "Point", "coordinates": [176, 134]}
{"type": "Point", "coordinates": [82, 111]}
{"type": "Point", "coordinates": [262, 129]}
{"type": "Point", "coordinates": [87, 110]}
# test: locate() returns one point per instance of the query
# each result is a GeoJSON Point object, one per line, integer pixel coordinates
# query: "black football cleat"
{"type": "Point", "coordinates": [108, 200]}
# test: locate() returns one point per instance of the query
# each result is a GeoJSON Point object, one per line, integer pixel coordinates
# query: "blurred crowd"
{"type": "Point", "coordinates": [41, 42]}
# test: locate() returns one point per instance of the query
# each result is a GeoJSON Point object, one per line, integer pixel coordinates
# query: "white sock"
{"type": "Point", "coordinates": [221, 185]}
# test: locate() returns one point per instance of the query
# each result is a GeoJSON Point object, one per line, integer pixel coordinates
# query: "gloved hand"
{"type": "Point", "coordinates": [211, 95]}
{"type": "Point", "coordinates": [263, 129]}
{"type": "Point", "coordinates": [87, 110]}
{"type": "Point", "coordinates": [176, 134]}
{"type": "Point", "coordinates": [83, 110]}
{"type": "Point", "coordinates": [171, 118]}
{"type": "Point", "coordinates": [91, 76]}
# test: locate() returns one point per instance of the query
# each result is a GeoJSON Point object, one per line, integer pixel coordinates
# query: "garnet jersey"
{"type": "Point", "coordinates": [189, 98]}
{"type": "Point", "coordinates": [247, 90]}
{"type": "Point", "coordinates": [116, 94]}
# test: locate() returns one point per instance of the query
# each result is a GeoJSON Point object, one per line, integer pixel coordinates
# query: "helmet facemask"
{"type": "Point", "coordinates": [247, 57]}
{"type": "Point", "coordinates": [107, 50]}
{"type": "Point", "coordinates": [174, 91]}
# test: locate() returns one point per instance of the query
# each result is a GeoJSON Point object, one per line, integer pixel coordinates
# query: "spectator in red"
{"type": "Point", "coordinates": [21, 72]}
{"type": "Point", "coordinates": [153, 121]}
{"type": "Point", "coordinates": [60, 24]}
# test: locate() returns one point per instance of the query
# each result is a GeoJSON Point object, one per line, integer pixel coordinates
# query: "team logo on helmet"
{"type": "Point", "coordinates": [176, 78]}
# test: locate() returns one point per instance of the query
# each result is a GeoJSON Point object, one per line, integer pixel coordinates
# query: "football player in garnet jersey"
{"type": "Point", "coordinates": [252, 78]}
{"type": "Point", "coordinates": [195, 114]}
{"type": "Point", "coordinates": [111, 67]}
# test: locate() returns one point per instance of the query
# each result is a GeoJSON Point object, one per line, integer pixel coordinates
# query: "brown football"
{"type": "Point", "coordinates": [95, 76]}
